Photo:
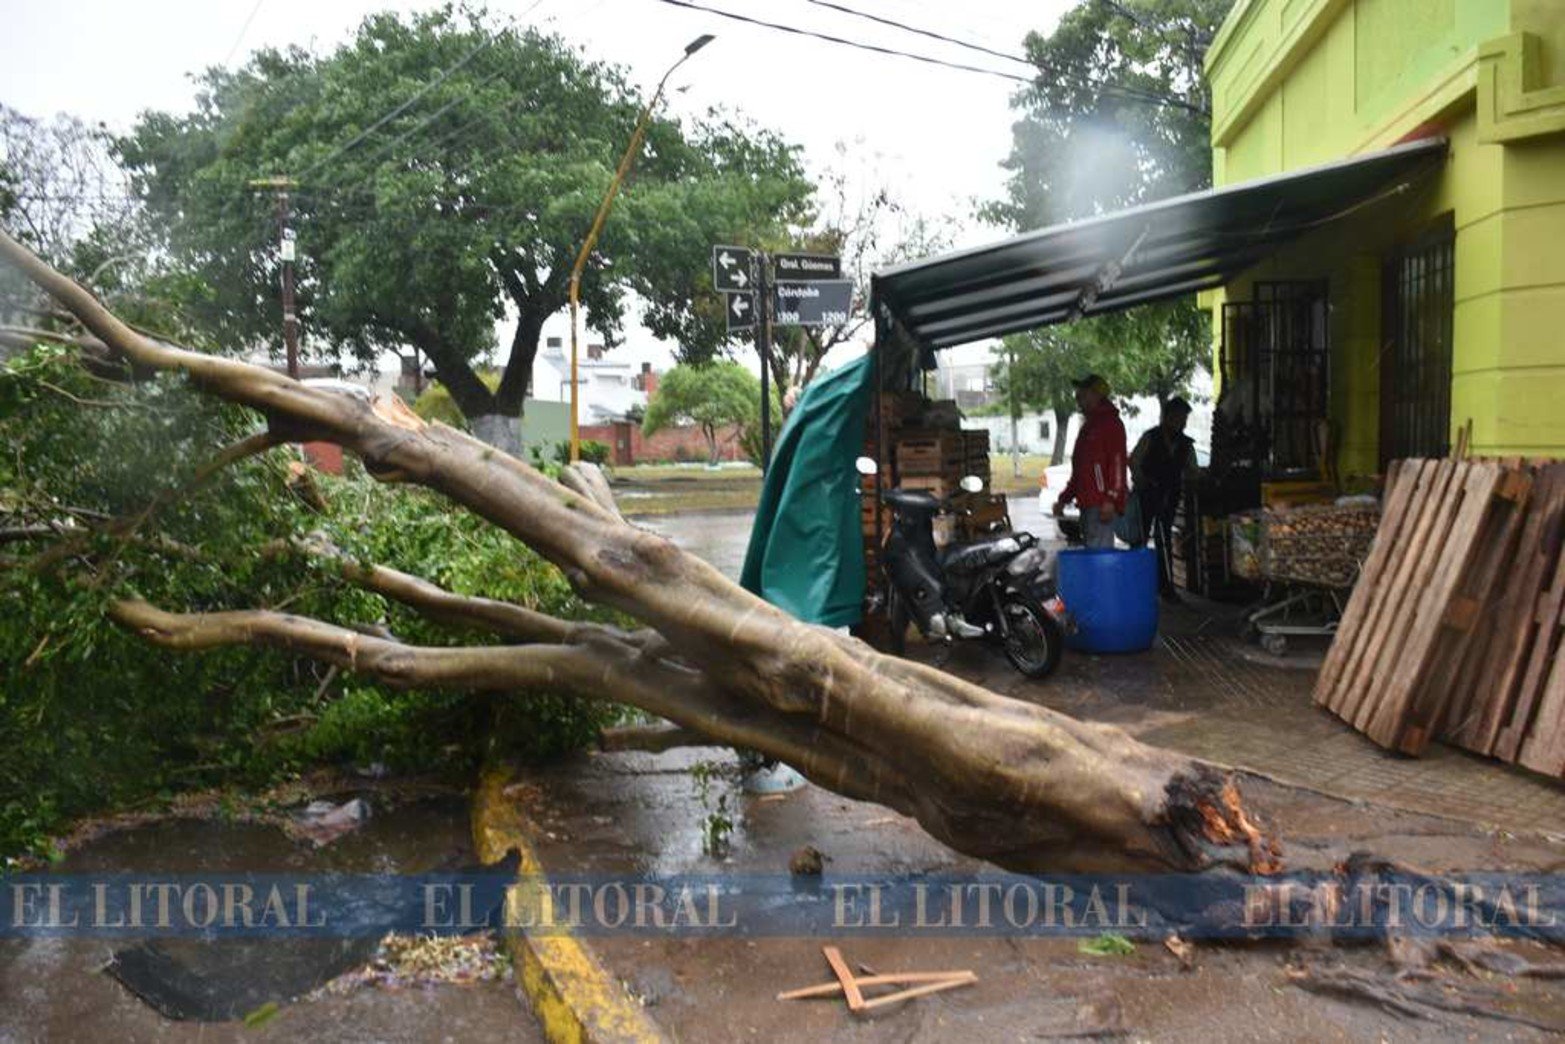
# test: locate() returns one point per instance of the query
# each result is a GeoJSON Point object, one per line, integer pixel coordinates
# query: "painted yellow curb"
{"type": "Point", "coordinates": [575, 998]}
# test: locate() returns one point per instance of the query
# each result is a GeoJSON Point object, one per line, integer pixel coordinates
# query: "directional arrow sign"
{"type": "Point", "coordinates": [741, 312]}
{"type": "Point", "coordinates": [822, 303]}
{"type": "Point", "coordinates": [807, 266]}
{"type": "Point", "coordinates": [731, 268]}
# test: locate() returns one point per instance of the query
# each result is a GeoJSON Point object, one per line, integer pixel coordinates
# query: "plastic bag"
{"type": "Point", "coordinates": [1128, 526]}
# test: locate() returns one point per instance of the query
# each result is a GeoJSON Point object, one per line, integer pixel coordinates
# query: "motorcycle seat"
{"type": "Point", "coordinates": [912, 500]}
{"type": "Point", "coordinates": [980, 553]}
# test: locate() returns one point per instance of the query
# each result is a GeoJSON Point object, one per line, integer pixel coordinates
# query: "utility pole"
{"type": "Point", "coordinates": [285, 250]}
{"type": "Point", "coordinates": [1010, 380]}
{"type": "Point", "coordinates": [763, 346]}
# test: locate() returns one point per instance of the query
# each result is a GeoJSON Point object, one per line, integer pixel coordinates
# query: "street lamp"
{"type": "Point", "coordinates": [597, 226]}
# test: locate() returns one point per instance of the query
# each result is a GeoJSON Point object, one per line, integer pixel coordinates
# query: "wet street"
{"type": "Point", "coordinates": [65, 988]}
{"type": "Point", "coordinates": [721, 537]}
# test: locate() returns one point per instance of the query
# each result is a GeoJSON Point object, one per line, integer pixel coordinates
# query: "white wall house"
{"type": "Point", "coordinates": [608, 388]}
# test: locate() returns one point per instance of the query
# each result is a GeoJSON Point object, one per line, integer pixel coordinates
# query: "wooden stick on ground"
{"type": "Point", "coordinates": [850, 985]}
{"type": "Point", "coordinates": [831, 989]}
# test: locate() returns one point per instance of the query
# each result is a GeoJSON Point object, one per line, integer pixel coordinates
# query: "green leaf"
{"type": "Point", "coordinates": [1109, 944]}
{"type": "Point", "coordinates": [262, 1015]}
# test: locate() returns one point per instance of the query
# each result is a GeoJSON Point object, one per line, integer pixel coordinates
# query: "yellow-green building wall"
{"type": "Point", "coordinates": [1301, 82]}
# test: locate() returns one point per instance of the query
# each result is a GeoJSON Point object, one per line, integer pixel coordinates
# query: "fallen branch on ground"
{"type": "Point", "coordinates": [1024, 786]}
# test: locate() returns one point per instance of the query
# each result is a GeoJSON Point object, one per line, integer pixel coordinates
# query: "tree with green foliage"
{"type": "Point", "coordinates": [446, 172]}
{"type": "Point", "coordinates": [111, 486]}
{"type": "Point", "coordinates": [63, 194]}
{"type": "Point", "coordinates": [712, 396]}
{"type": "Point", "coordinates": [1156, 353]}
{"type": "Point", "coordinates": [1118, 115]}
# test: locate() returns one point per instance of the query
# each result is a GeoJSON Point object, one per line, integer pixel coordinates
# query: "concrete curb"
{"type": "Point", "coordinates": [574, 996]}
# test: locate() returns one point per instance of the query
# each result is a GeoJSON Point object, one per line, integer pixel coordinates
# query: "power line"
{"type": "Point", "coordinates": [1113, 90]}
{"type": "Point", "coordinates": [243, 29]}
{"type": "Point", "coordinates": [1118, 90]}
{"type": "Point", "coordinates": [431, 118]}
{"type": "Point", "coordinates": [846, 42]}
{"type": "Point", "coordinates": [921, 32]}
{"type": "Point", "coordinates": [397, 111]}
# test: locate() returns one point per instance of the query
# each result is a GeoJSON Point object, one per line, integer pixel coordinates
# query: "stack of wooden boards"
{"type": "Point", "coordinates": [896, 410]}
{"type": "Point", "coordinates": [1453, 630]}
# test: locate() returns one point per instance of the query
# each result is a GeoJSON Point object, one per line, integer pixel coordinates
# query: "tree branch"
{"type": "Point", "coordinates": [999, 778]}
{"type": "Point", "coordinates": [587, 478]}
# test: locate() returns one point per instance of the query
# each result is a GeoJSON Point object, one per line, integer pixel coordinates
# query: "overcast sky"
{"type": "Point", "coordinates": [934, 136]}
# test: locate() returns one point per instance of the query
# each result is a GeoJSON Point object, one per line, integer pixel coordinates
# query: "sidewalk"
{"type": "Point", "coordinates": [1202, 691]}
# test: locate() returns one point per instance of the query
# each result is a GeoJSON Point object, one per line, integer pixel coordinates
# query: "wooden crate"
{"type": "Point", "coordinates": [940, 485]}
{"type": "Point", "coordinates": [979, 514]}
{"type": "Point", "coordinates": [930, 453]}
{"type": "Point", "coordinates": [1406, 660]}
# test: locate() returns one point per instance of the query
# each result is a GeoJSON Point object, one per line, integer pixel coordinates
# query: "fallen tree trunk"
{"type": "Point", "coordinates": [1009, 781]}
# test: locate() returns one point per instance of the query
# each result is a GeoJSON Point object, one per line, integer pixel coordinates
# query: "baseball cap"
{"type": "Point", "coordinates": [1177, 405]}
{"type": "Point", "coordinates": [1094, 382]}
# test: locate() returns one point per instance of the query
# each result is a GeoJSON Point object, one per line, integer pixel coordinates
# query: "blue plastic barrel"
{"type": "Point", "coordinates": [1113, 597]}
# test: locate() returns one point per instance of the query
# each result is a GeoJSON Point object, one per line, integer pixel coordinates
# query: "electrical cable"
{"type": "Point", "coordinates": [1112, 90]}
{"type": "Point", "coordinates": [243, 29]}
{"type": "Point", "coordinates": [795, 30]}
{"type": "Point", "coordinates": [397, 111]}
{"type": "Point", "coordinates": [1118, 89]}
{"type": "Point", "coordinates": [447, 107]}
{"type": "Point", "coordinates": [931, 34]}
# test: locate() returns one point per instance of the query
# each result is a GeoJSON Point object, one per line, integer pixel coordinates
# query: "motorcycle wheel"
{"type": "Point", "coordinates": [897, 620]}
{"type": "Point", "coordinates": [1036, 640]}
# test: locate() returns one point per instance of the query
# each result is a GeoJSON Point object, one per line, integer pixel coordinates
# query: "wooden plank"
{"type": "Point", "coordinates": [1440, 691]}
{"type": "Point", "coordinates": [966, 979]}
{"type": "Point", "coordinates": [1435, 502]}
{"type": "Point", "coordinates": [1454, 551]}
{"type": "Point", "coordinates": [1390, 549]}
{"type": "Point", "coordinates": [1358, 695]}
{"type": "Point", "coordinates": [1460, 670]}
{"type": "Point", "coordinates": [1462, 613]}
{"type": "Point", "coordinates": [1347, 645]}
{"type": "Point", "coordinates": [850, 986]}
{"type": "Point", "coordinates": [1494, 678]}
{"type": "Point", "coordinates": [1540, 659]}
{"type": "Point", "coordinates": [1544, 748]}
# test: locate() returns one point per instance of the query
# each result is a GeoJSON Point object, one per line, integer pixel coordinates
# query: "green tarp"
{"type": "Point", "coordinates": [806, 551]}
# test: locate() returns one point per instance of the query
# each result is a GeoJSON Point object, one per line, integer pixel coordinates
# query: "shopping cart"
{"type": "Point", "coordinates": [1308, 558]}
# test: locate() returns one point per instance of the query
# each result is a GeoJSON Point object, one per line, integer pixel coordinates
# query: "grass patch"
{"type": "Point", "coordinates": [667, 489]}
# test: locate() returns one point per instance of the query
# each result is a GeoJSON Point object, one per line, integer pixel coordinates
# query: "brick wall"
{"type": "Point", "coordinates": [686, 442]}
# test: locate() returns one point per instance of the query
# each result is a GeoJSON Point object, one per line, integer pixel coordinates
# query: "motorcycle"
{"type": "Point", "coordinates": [998, 589]}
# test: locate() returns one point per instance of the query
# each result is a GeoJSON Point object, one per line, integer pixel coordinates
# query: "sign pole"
{"type": "Point", "coordinates": [763, 344]}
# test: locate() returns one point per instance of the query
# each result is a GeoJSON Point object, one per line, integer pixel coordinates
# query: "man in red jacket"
{"type": "Point", "coordinates": [1098, 483]}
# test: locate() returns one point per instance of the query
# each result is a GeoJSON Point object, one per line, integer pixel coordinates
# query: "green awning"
{"type": "Point", "coordinates": [806, 551]}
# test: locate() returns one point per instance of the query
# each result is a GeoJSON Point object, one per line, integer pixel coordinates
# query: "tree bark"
{"type": "Point", "coordinates": [1024, 786]}
{"type": "Point", "coordinates": [1062, 420]}
{"type": "Point", "coordinates": [502, 432]}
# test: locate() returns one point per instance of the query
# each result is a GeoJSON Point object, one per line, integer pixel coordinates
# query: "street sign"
{"type": "Point", "coordinates": [808, 266]}
{"type": "Point", "coordinates": [821, 303]}
{"type": "Point", "coordinates": [741, 312]}
{"type": "Point", "coordinates": [731, 268]}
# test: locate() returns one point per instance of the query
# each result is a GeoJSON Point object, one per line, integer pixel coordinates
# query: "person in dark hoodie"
{"type": "Point", "coordinates": [1162, 462]}
{"type": "Point", "coordinates": [1098, 483]}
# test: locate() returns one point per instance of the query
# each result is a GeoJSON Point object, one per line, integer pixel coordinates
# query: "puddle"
{"type": "Point", "coordinates": [101, 988]}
